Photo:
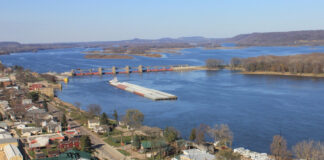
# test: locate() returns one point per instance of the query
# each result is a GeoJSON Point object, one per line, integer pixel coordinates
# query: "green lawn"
{"type": "Point", "coordinates": [111, 142]}
{"type": "Point", "coordinates": [125, 153]}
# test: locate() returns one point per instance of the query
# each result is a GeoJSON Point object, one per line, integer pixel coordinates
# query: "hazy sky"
{"type": "Point", "coordinates": [31, 21]}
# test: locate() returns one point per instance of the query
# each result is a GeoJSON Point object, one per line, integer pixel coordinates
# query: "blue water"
{"type": "Point", "coordinates": [256, 107]}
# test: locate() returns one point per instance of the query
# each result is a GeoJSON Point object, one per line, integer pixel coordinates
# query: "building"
{"type": "Point", "coordinates": [27, 131]}
{"type": "Point", "coordinates": [53, 127]}
{"type": "Point", "coordinates": [38, 143]}
{"type": "Point", "coordinates": [26, 101]}
{"type": "Point", "coordinates": [196, 154]}
{"type": "Point", "coordinates": [12, 152]}
{"type": "Point", "coordinates": [71, 143]}
{"type": "Point", "coordinates": [92, 123]}
{"type": "Point", "coordinates": [3, 125]}
{"type": "Point", "coordinates": [102, 129]}
{"type": "Point", "coordinates": [5, 81]}
{"type": "Point", "coordinates": [6, 141]}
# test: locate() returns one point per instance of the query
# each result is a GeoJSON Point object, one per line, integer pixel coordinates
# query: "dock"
{"type": "Point", "coordinates": [142, 91]}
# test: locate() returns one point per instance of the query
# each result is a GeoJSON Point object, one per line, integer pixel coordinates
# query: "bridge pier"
{"type": "Point", "coordinates": [100, 71]}
{"type": "Point", "coordinates": [140, 69]}
{"type": "Point", "coordinates": [113, 70]}
{"type": "Point", "coordinates": [127, 70]}
{"type": "Point", "coordinates": [72, 73]}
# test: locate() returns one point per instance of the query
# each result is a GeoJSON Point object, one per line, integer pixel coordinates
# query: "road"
{"type": "Point", "coordinates": [104, 150]}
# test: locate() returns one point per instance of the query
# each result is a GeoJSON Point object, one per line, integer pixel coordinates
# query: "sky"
{"type": "Point", "coordinates": [44, 21]}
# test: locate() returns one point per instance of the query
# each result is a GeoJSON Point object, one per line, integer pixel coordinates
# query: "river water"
{"type": "Point", "coordinates": [256, 107]}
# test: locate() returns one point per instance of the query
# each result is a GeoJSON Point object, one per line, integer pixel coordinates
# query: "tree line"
{"type": "Point", "coordinates": [307, 150]}
{"type": "Point", "coordinates": [303, 63]}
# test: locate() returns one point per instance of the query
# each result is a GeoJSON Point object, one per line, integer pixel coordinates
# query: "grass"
{"type": "Point", "coordinates": [115, 141]}
{"type": "Point", "coordinates": [31, 154]}
{"type": "Point", "coordinates": [111, 142]}
{"type": "Point", "coordinates": [31, 125]}
{"type": "Point", "coordinates": [125, 153]}
{"type": "Point", "coordinates": [115, 132]}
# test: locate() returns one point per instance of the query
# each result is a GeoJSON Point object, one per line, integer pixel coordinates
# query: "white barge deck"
{"type": "Point", "coordinates": [142, 91]}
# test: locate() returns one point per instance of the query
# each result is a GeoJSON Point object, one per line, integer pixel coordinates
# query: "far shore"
{"type": "Point", "coordinates": [284, 74]}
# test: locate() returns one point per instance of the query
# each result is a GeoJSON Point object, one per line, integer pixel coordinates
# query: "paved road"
{"type": "Point", "coordinates": [104, 150]}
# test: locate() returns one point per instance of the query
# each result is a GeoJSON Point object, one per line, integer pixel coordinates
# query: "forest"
{"type": "Point", "coordinates": [302, 63]}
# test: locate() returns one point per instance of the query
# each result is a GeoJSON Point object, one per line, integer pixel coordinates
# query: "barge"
{"type": "Point", "coordinates": [142, 91]}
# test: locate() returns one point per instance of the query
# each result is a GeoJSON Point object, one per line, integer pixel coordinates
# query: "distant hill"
{"type": "Point", "coordinates": [183, 42]}
{"type": "Point", "coordinates": [294, 38]}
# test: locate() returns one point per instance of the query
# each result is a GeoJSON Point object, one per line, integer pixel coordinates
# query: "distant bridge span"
{"type": "Point", "coordinates": [127, 70]}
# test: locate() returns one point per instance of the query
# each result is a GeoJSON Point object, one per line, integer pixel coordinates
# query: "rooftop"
{"type": "Point", "coordinates": [11, 151]}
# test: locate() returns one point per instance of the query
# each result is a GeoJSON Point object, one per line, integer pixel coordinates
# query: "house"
{"type": "Point", "coordinates": [102, 129]}
{"type": "Point", "coordinates": [5, 81]}
{"type": "Point", "coordinates": [147, 145]}
{"type": "Point", "coordinates": [196, 154]}
{"type": "Point", "coordinates": [53, 127]}
{"type": "Point", "coordinates": [6, 141]}
{"type": "Point", "coordinates": [12, 152]}
{"type": "Point", "coordinates": [3, 125]}
{"type": "Point", "coordinates": [27, 131]}
{"type": "Point", "coordinates": [38, 143]}
{"type": "Point", "coordinates": [5, 135]}
{"type": "Point", "coordinates": [71, 143]}
{"type": "Point", "coordinates": [92, 123]}
{"type": "Point", "coordinates": [26, 101]}
{"type": "Point", "coordinates": [35, 87]}
{"type": "Point", "coordinates": [71, 132]}
{"type": "Point", "coordinates": [43, 141]}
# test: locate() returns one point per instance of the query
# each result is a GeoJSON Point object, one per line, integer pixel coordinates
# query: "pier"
{"type": "Point", "coordinates": [142, 91]}
{"type": "Point", "coordinates": [127, 70]}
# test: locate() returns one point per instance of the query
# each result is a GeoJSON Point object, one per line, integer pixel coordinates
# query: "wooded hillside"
{"type": "Point", "coordinates": [303, 63]}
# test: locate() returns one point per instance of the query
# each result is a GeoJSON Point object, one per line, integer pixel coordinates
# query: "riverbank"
{"type": "Point", "coordinates": [284, 74]}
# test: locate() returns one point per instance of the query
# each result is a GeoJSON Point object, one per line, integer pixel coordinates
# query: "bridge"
{"type": "Point", "coordinates": [127, 70]}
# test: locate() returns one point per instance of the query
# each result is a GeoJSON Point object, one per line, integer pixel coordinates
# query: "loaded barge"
{"type": "Point", "coordinates": [142, 91]}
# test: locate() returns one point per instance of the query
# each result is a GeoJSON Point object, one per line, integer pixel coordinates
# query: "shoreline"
{"type": "Point", "coordinates": [284, 74]}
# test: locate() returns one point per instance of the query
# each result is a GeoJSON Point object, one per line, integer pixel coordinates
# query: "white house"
{"type": "Point", "coordinates": [12, 152]}
{"type": "Point", "coordinates": [196, 154]}
{"type": "Point", "coordinates": [26, 101]}
{"type": "Point", "coordinates": [92, 123]}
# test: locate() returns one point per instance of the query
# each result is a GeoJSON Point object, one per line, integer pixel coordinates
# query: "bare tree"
{"type": "Point", "coordinates": [214, 63]}
{"type": "Point", "coordinates": [279, 148]}
{"type": "Point", "coordinates": [94, 109]}
{"type": "Point", "coordinates": [133, 118]}
{"type": "Point", "coordinates": [309, 150]}
{"type": "Point", "coordinates": [222, 134]}
{"type": "Point", "coordinates": [200, 133]}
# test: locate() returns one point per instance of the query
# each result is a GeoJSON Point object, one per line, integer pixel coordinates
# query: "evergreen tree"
{"type": "Point", "coordinates": [137, 142]}
{"type": "Point", "coordinates": [45, 106]}
{"type": "Point", "coordinates": [193, 134]}
{"type": "Point", "coordinates": [104, 119]}
{"type": "Point", "coordinates": [64, 123]}
{"type": "Point", "coordinates": [171, 134]}
{"type": "Point", "coordinates": [85, 143]}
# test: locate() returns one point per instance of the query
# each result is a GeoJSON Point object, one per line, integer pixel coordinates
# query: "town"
{"type": "Point", "coordinates": [35, 124]}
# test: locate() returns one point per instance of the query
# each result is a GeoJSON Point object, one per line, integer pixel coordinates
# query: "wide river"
{"type": "Point", "coordinates": [256, 107]}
